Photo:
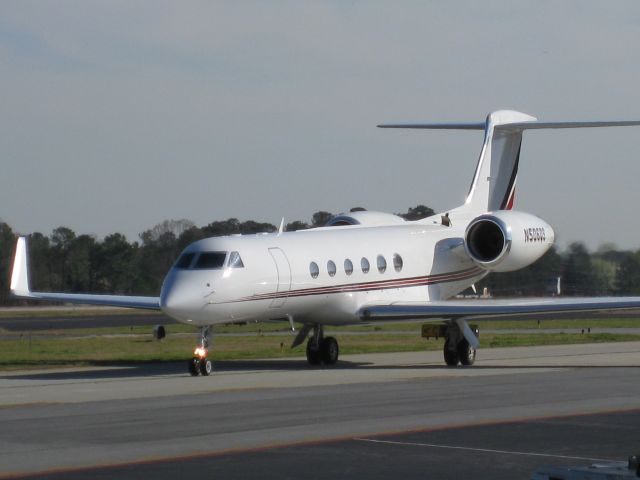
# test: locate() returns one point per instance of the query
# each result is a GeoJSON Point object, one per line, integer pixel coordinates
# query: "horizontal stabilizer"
{"type": "Point", "coordinates": [436, 126]}
{"type": "Point", "coordinates": [532, 125]}
{"type": "Point", "coordinates": [493, 185]}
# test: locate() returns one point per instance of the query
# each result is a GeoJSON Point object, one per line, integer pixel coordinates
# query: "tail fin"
{"type": "Point", "coordinates": [494, 182]}
{"type": "Point", "coordinates": [493, 185]}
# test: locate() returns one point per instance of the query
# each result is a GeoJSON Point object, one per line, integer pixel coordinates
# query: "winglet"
{"type": "Point", "coordinates": [20, 273]}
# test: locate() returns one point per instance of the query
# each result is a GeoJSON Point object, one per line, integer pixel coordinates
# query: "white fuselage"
{"type": "Point", "coordinates": [423, 262]}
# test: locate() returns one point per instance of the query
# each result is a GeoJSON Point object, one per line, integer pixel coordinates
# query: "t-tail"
{"type": "Point", "coordinates": [494, 181]}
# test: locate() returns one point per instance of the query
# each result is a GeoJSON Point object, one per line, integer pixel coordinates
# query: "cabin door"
{"type": "Point", "coordinates": [283, 270]}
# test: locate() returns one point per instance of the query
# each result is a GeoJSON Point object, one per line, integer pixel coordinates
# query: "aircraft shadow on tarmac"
{"type": "Point", "coordinates": [160, 369]}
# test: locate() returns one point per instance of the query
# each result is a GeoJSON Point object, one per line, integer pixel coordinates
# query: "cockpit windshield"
{"type": "Point", "coordinates": [210, 260]}
{"type": "Point", "coordinates": [185, 260]}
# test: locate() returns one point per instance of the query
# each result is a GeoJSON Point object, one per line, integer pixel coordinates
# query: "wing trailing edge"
{"type": "Point", "coordinates": [453, 309]}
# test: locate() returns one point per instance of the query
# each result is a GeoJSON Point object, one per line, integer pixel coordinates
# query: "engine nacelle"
{"type": "Point", "coordinates": [505, 240]}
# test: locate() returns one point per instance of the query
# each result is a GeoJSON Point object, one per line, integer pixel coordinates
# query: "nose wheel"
{"type": "Point", "coordinates": [200, 366]}
{"type": "Point", "coordinates": [200, 363]}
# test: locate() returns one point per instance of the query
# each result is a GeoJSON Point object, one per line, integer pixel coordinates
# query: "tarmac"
{"type": "Point", "coordinates": [371, 416]}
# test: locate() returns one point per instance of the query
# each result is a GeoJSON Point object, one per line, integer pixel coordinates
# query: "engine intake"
{"type": "Point", "coordinates": [486, 240]}
{"type": "Point", "coordinates": [505, 240]}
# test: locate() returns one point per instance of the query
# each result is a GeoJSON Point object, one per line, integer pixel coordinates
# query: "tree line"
{"type": "Point", "coordinates": [66, 261]}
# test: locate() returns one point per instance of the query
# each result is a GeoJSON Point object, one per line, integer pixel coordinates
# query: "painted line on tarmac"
{"type": "Point", "coordinates": [482, 450]}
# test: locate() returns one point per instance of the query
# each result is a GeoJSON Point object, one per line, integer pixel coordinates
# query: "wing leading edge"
{"type": "Point", "coordinates": [454, 309]}
{"type": "Point", "coordinates": [20, 288]}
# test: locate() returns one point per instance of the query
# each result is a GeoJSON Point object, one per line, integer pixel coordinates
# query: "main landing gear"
{"type": "Point", "coordinates": [320, 349]}
{"type": "Point", "coordinates": [200, 363]}
{"type": "Point", "coordinates": [457, 349]}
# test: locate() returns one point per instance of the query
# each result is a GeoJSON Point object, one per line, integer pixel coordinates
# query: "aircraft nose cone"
{"type": "Point", "coordinates": [176, 300]}
{"type": "Point", "coordinates": [169, 301]}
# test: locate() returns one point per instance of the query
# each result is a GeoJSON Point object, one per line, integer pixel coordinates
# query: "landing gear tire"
{"type": "Point", "coordinates": [314, 354]}
{"type": "Point", "coordinates": [199, 363]}
{"type": "Point", "coordinates": [205, 366]}
{"type": "Point", "coordinates": [329, 350]}
{"type": "Point", "coordinates": [466, 353]}
{"type": "Point", "coordinates": [321, 349]}
{"type": "Point", "coordinates": [451, 358]}
{"type": "Point", "coordinates": [194, 367]}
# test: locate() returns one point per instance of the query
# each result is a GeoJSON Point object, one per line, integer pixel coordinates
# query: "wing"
{"type": "Point", "coordinates": [20, 288]}
{"type": "Point", "coordinates": [454, 309]}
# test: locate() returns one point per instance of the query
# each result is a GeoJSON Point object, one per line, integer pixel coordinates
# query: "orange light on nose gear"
{"type": "Point", "coordinates": [200, 352]}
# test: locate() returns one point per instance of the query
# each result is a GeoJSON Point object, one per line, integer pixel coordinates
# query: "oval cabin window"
{"type": "Point", "coordinates": [331, 268]}
{"type": "Point", "coordinates": [348, 267]}
{"type": "Point", "coordinates": [364, 263]}
{"type": "Point", "coordinates": [314, 270]}
{"type": "Point", "coordinates": [397, 262]}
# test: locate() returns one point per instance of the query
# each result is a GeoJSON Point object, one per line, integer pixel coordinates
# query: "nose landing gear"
{"type": "Point", "coordinates": [200, 363]}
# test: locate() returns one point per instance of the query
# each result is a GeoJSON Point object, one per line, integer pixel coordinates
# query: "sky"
{"type": "Point", "coordinates": [117, 115]}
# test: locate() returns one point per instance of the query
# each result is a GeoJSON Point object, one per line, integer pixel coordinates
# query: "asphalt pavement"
{"type": "Point", "coordinates": [373, 416]}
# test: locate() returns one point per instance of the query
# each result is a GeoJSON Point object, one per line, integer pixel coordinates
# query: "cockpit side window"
{"type": "Point", "coordinates": [210, 260]}
{"type": "Point", "coordinates": [235, 261]}
{"type": "Point", "coordinates": [185, 260]}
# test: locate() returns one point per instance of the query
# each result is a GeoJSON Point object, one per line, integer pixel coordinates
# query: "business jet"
{"type": "Point", "coordinates": [365, 267]}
